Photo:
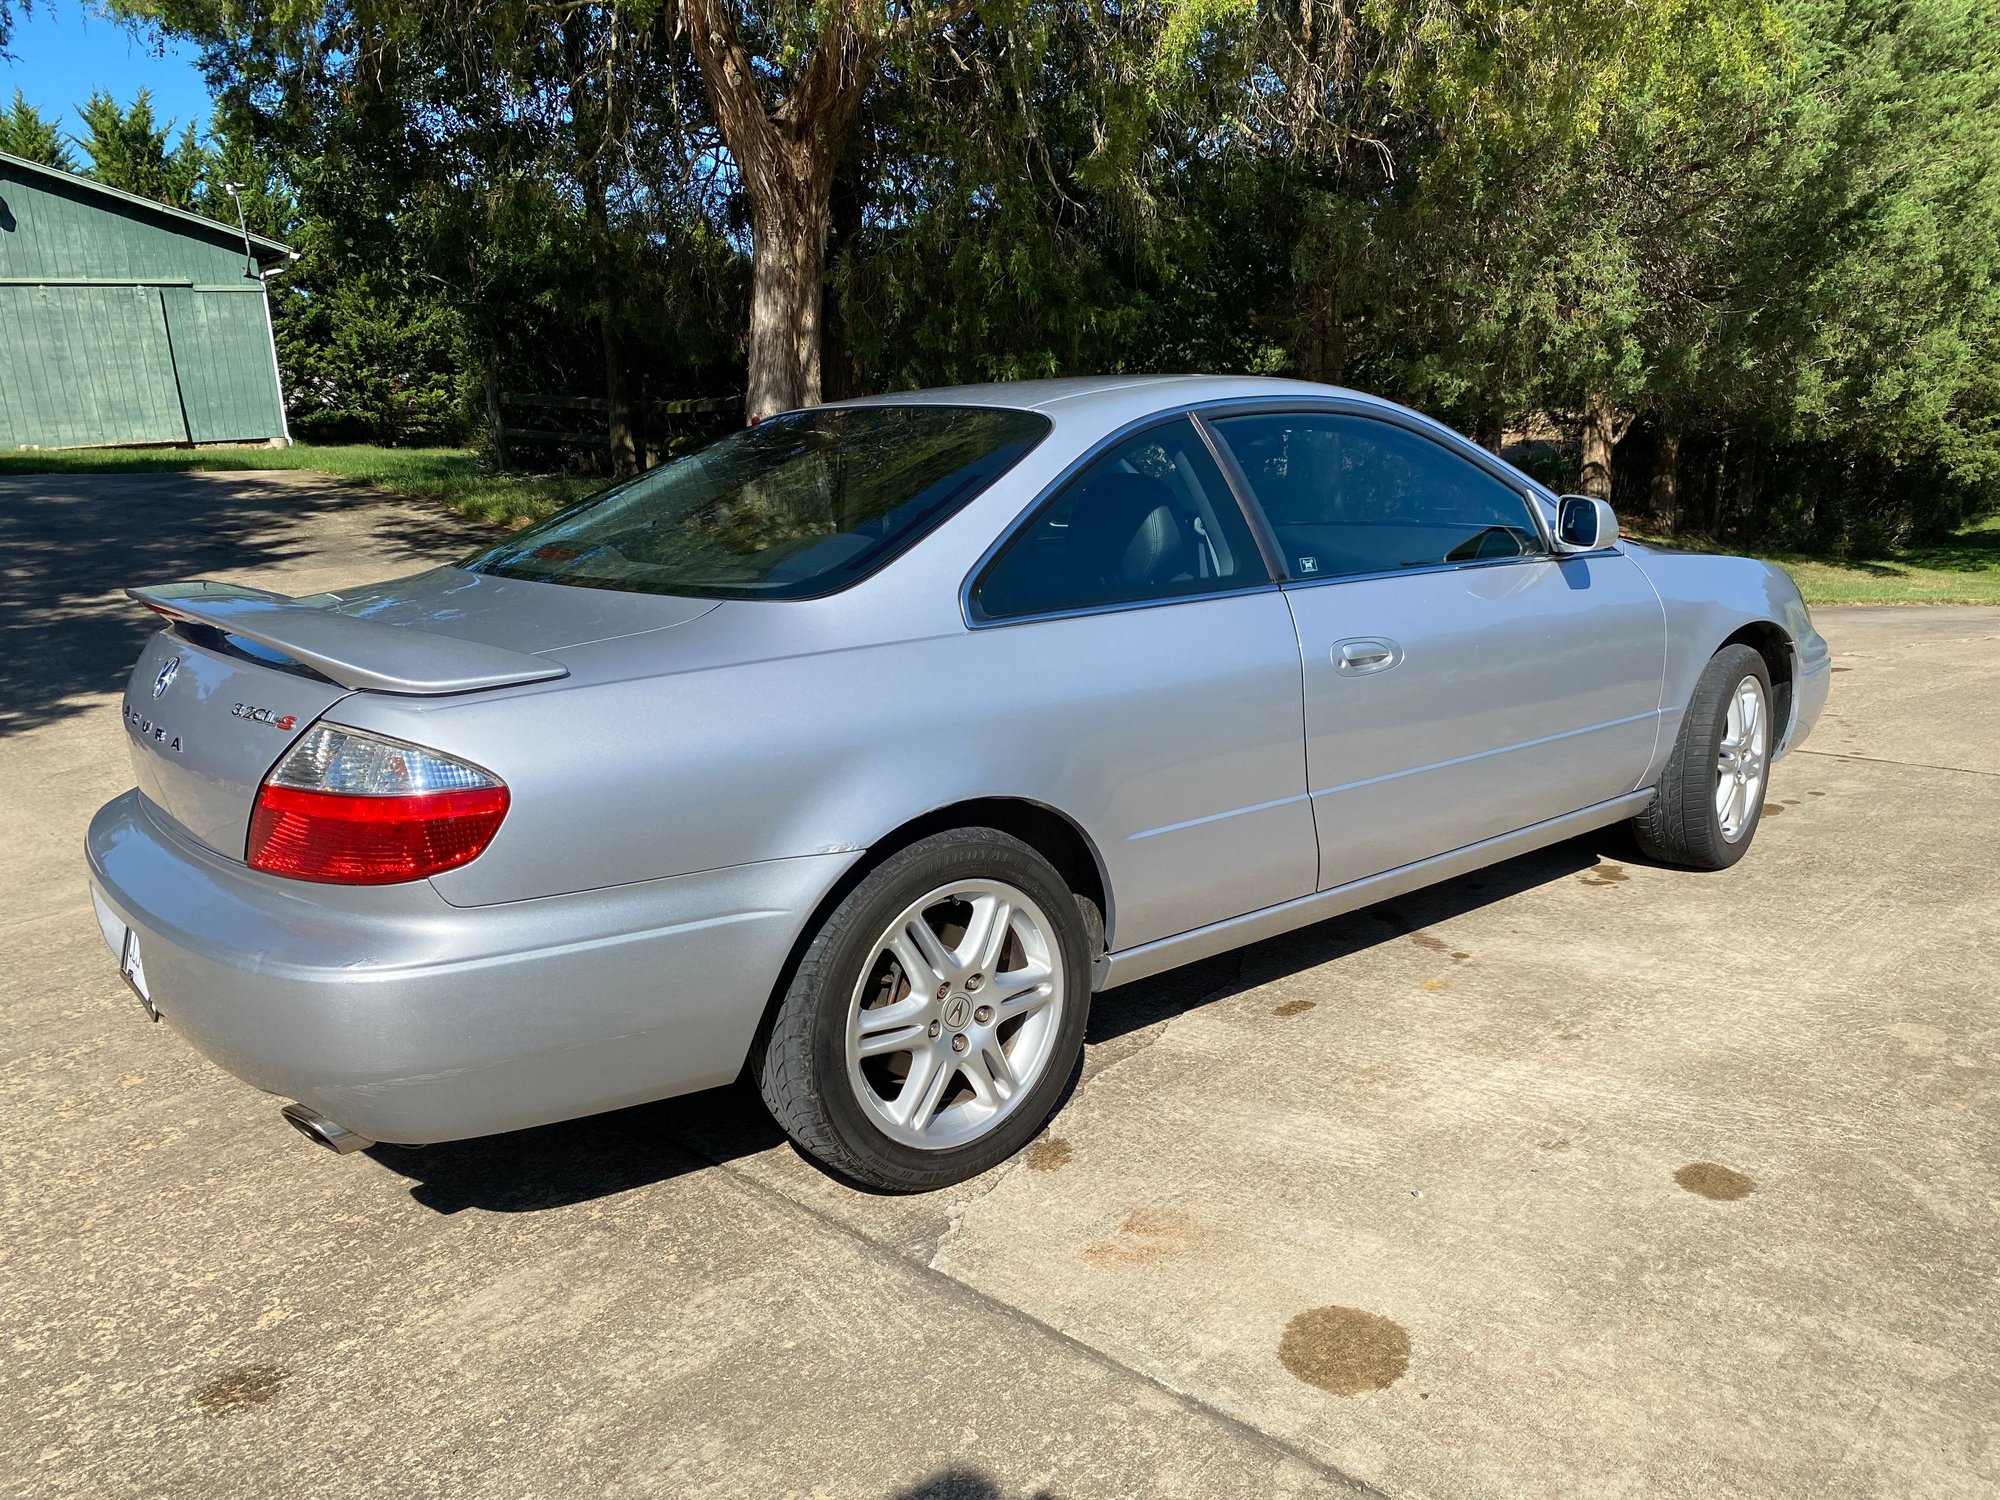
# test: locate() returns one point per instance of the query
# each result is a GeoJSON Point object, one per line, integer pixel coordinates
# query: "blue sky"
{"type": "Point", "coordinates": [63, 51]}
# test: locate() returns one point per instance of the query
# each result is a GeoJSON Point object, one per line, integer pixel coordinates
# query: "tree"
{"type": "Point", "coordinates": [24, 133]}
{"type": "Point", "coordinates": [129, 149]}
{"type": "Point", "coordinates": [786, 85]}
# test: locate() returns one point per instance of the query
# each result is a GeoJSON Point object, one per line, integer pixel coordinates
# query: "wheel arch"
{"type": "Point", "coordinates": [1770, 641]}
{"type": "Point", "coordinates": [1054, 835]}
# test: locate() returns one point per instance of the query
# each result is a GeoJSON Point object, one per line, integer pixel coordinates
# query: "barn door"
{"type": "Point", "coordinates": [222, 359]}
{"type": "Point", "coordinates": [82, 365]}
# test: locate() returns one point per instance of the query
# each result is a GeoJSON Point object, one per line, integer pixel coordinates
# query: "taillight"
{"type": "Point", "coordinates": [351, 808]}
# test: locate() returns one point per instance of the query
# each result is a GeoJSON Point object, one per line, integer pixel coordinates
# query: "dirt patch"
{"type": "Point", "coordinates": [1710, 1180]}
{"type": "Point", "coordinates": [252, 1385]}
{"type": "Point", "coordinates": [1047, 1155]}
{"type": "Point", "coordinates": [1146, 1235]}
{"type": "Point", "coordinates": [1345, 1351]}
{"type": "Point", "coordinates": [1293, 1007]}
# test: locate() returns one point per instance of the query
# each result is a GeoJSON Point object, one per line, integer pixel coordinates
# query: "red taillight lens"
{"type": "Point", "coordinates": [349, 808]}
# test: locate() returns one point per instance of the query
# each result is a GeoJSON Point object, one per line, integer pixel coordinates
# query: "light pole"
{"type": "Point", "coordinates": [235, 191]}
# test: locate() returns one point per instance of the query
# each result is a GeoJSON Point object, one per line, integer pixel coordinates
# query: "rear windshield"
{"type": "Point", "coordinates": [795, 507]}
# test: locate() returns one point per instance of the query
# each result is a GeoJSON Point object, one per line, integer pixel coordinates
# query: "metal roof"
{"type": "Point", "coordinates": [267, 248]}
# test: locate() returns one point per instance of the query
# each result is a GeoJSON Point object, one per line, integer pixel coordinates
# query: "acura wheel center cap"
{"type": "Point", "coordinates": [957, 1011]}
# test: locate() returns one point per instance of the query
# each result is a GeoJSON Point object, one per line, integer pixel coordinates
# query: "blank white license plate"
{"type": "Point", "coordinates": [124, 942]}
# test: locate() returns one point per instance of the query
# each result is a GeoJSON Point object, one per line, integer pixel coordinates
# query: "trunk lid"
{"type": "Point", "coordinates": [240, 673]}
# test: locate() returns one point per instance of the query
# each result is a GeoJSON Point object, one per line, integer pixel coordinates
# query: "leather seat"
{"type": "Point", "coordinates": [1126, 532]}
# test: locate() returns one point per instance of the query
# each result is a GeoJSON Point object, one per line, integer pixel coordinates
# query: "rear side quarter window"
{"type": "Point", "coordinates": [1150, 519]}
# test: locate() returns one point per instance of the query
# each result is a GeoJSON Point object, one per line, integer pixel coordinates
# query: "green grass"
{"type": "Point", "coordinates": [1962, 570]}
{"type": "Point", "coordinates": [458, 478]}
{"type": "Point", "coordinates": [1965, 569]}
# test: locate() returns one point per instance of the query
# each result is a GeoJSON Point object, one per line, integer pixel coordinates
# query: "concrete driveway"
{"type": "Point", "coordinates": [1573, 1177]}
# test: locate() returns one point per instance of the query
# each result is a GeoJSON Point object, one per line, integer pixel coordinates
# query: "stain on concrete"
{"type": "Point", "coordinates": [1772, 809]}
{"type": "Point", "coordinates": [1711, 1180]}
{"type": "Point", "coordinates": [1048, 1154]}
{"type": "Point", "coordinates": [1345, 1351]}
{"type": "Point", "coordinates": [1815, 794]}
{"type": "Point", "coordinates": [1606, 873]}
{"type": "Point", "coordinates": [251, 1385]}
{"type": "Point", "coordinates": [1843, 669]}
{"type": "Point", "coordinates": [1430, 944]}
{"type": "Point", "coordinates": [1148, 1234]}
{"type": "Point", "coordinates": [1458, 957]}
{"type": "Point", "coordinates": [1293, 1007]}
{"type": "Point", "coordinates": [1560, 1143]}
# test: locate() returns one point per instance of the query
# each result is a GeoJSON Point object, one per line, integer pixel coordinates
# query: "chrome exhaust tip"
{"type": "Point", "coordinates": [317, 1128]}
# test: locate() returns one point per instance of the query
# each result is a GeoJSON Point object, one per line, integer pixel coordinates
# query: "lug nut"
{"type": "Point", "coordinates": [975, 981]}
{"type": "Point", "coordinates": [936, 1027]}
{"type": "Point", "coordinates": [943, 990]}
{"type": "Point", "coordinates": [958, 1042]}
{"type": "Point", "coordinates": [983, 1014]}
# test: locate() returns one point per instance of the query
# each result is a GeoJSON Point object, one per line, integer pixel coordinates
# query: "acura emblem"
{"type": "Point", "coordinates": [166, 678]}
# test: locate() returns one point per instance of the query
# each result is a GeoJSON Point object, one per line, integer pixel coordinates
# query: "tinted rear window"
{"type": "Point", "coordinates": [796, 507]}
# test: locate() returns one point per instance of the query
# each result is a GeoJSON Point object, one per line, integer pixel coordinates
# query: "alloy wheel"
{"type": "Point", "coordinates": [1742, 759]}
{"type": "Point", "coordinates": [956, 1014]}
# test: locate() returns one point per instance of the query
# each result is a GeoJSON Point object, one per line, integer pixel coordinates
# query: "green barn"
{"type": "Point", "coordinates": [125, 321]}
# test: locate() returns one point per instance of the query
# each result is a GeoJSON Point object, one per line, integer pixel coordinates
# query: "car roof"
{"type": "Point", "coordinates": [1075, 396]}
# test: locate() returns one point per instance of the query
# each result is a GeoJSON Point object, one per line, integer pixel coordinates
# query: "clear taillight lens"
{"type": "Point", "coordinates": [351, 808]}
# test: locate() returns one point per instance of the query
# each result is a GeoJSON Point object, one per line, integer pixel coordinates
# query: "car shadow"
{"type": "Point", "coordinates": [556, 1166]}
{"type": "Point", "coordinates": [577, 1161]}
{"type": "Point", "coordinates": [1148, 1001]}
{"type": "Point", "coordinates": [74, 543]}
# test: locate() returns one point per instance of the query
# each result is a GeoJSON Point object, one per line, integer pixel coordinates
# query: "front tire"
{"type": "Point", "coordinates": [937, 1017]}
{"type": "Point", "coordinates": [1711, 794]}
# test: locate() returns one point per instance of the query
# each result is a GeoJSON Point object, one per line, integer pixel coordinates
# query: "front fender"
{"type": "Point", "coordinates": [1709, 599]}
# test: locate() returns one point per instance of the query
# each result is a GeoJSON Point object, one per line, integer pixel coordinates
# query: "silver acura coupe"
{"type": "Point", "coordinates": [858, 751]}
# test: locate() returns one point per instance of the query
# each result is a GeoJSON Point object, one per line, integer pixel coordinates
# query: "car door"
{"type": "Point", "coordinates": [1461, 682]}
{"type": "Point", "coordinates": [1133, 619]}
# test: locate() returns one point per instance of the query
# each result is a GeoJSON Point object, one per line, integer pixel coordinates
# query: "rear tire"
{"type": "Point", "coordinates": [937, 1017]}
{"type": "Point", "coordinates": [1711, 794]}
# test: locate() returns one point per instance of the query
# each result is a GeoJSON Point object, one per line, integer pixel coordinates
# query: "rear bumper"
{"type": "Point", "coordinates": [406, 1019]}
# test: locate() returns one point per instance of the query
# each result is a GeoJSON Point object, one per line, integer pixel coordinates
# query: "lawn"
{"type": "Point", "coordinates": [1963, 570]}
{"type": "Point", "coordinates": [459, 478]}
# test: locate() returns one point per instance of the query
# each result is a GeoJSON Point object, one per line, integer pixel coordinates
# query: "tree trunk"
{"type": "Point", "coordinates": [1604, 425]}
{"type": "Point", "coordinates": [621, 441]}
{"type": "Point", "coordinates": [1666, 485]}
{"type": "Point", "coordinates": [787, 269]}
{"type": "Point", "coordinates": [495, 418]}
{"type": "Point", "coordinates": [841, 373]}
{"type": "Point", "coordinates": [786, 153]}
{"type": "Point", "coordinates": [620, 446]}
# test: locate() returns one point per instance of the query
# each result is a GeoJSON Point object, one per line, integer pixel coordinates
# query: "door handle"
{"type": "Point", "coordinates": [1366, 655]}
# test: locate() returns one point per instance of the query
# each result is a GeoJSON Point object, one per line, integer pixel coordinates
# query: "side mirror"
{"type": "Point", "coordinates": [1584, 524]}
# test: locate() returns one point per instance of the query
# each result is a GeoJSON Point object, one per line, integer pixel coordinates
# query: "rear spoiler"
{"type": "Point", "coordinates": [352, 651]}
